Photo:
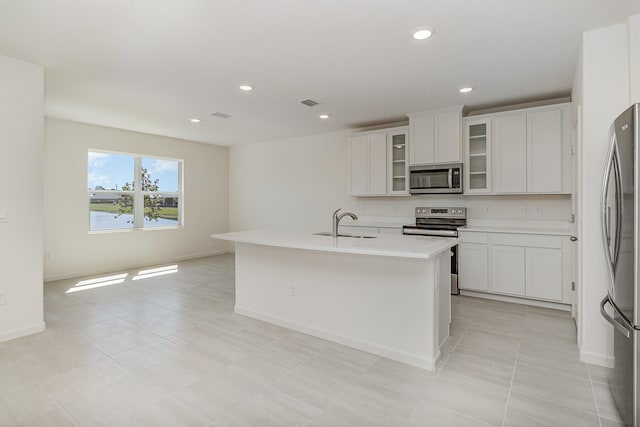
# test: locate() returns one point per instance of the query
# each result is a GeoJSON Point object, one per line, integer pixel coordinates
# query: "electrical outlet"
{"type": "Point", "coordinates": [294, 290]}
{"type": "Point", "coordinates": [537, 211]}
{"type": "Point", "coordinates": [522, 210]}
{"type": "Point", "coordinates": [1, 298]}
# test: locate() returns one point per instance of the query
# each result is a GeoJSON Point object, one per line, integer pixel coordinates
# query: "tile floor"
{"type": "Point", "coordinates": [164, 348]}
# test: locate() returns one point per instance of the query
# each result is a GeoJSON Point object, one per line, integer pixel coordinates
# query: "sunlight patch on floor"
{"type": "Point", "coordinates": [154, 272]}
{"type": "Point", "coordinates": [98, 282]}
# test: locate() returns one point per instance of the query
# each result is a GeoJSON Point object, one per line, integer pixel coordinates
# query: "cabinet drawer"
{"type": "Point", "coordinates": [473, 237]}
{"type": "Point", "coordinates": [529, 240]}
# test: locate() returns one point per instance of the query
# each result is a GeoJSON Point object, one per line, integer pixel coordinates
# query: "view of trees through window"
{"type": "Point", "coordinates": [127, 191]}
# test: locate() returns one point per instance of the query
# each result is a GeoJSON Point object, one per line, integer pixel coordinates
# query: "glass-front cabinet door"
{"type": "Point", "coordinates": [477, 165]}
{"type": "Point", "coordinates": [398, 152]}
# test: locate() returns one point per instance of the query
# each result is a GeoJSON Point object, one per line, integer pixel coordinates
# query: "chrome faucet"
{"type": "Point", "coordinates": [337, 218]}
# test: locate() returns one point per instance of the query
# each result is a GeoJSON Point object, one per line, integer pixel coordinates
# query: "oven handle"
{"type": "Point", "coordinates": [425, 232]}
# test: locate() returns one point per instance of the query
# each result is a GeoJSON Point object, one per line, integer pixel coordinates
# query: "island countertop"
{"type": "Point", "coordinates": [419, 247]}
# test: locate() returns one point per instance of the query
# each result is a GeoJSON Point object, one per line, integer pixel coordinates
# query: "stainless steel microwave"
{"type": "Point", "coordinates": [436, 179]}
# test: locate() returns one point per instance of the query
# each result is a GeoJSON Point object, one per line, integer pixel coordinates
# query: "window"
{"type": "Point", "coordinates": [127, 191]}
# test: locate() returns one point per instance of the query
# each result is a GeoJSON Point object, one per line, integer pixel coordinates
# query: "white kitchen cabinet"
{"type": "Point", "coordinates": [477, 156]}
{"type": "Point", "coordinates": [528, 151]}
{"type": "Point", "coordinates": [533, 266]}
{"type": "Point", "coordinates": [368, 164]}
{"type": "Point", "coordinates": [435, 136]}
{"type": "Point", "coordinates": [544, 273]}
{"type": "Point", "coordinates": [508, 270]}
{"type": "Point", "coordinates": [531, 150]}
{"type": "Point", "coordinates": [544, 151]}
{"type": "Point", "coordinates": [398, 155]}
{"type": "Point", "coordinates": [378, 163]}
{"type": "Point", "coordinates": [510, 153]}
{"type": "Point", "coordinates": [422, 136]}
{"type": "Point", "coordinates": [472, 266]}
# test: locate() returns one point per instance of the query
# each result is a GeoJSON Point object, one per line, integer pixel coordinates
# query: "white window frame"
{"type": "Point", "coordinates": [138, 194]}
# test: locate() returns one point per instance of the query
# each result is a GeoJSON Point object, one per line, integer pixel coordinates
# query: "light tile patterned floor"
{"type": "Point", "coordinates": [166, 349]}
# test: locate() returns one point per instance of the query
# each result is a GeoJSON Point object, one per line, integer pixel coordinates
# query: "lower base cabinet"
{"type": "Point", "coordinates": [472, 273]}
{"type": "Point", "coordinates": [544, 273]}
{"type": "Point", "coordinates": [508, 270]}
{"type": "Point", "coordinates": [521, 265]}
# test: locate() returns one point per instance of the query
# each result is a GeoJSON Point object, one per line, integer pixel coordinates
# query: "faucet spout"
{"type": "Point", "coordinates": [337, 218]}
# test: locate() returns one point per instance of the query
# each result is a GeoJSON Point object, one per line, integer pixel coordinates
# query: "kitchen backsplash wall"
{"type": "Point", "coordinates": [534, 208]}
{"type": "Point", "coordinates": [297, 183]}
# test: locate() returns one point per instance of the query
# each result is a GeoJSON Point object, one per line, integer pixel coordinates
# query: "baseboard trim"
{"type": "Point", "coordinates": [596, 359]}
{"type": "Point", "coordinates": [22, 332]}
{"type": "Point", "coordinates": [516, 300]}
{"type": "Point", "coordinates": [389, 353]}
{"type": "Point", "coordinates": [136, 265]}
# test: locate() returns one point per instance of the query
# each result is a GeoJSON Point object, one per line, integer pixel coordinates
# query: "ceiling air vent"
{"type": "Point", "coordinates": [220, 115]}
{"type": "Point", "coordinates": [310, 102]}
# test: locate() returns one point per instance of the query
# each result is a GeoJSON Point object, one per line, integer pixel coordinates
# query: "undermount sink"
{"type": "Point", "coordinates": [354, 236]}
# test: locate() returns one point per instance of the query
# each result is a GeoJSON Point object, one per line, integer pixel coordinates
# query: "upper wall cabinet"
{"type": "Point", "coordinates": [435, 136]}
{"type": "Point", "coordinates": [532, 152]}
{"type": "Point", "coordinates": [477, 156]}
{"type": "Point", "coordinates": [368, 164]}
{"type": "Point", "coordinates": [398, 161]}
{"type": "Point", "coordinates": [378, 162]}
{"type": "Point", "coordinates": [528, 151]}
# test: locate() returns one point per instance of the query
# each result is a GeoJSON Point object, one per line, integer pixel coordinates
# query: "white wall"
{"type": "Point", "coordinates": [297, 183]}
{"type": "Point", "coordinates": [21, 141]}
{"type": "Point", "coordinates": [602, 90]}
{"type": "Point", "coordinates": [634, 58]}
{"type": "Point", "coordinates": [70, 250]}
{"type": "Point", "coordinates": [576, 104]}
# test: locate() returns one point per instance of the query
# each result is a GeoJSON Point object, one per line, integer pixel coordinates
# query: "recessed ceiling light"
{"type": "Point", "coordinates": [422, 34]}
{"type": "Point", "coordinates": [324, 116]}
{"type": "Point", "coordinates": [465, 89]}
{"type": "Point", "coordinates": [246, 88]}
{"type": "Point", "coordinates": [194, 120]}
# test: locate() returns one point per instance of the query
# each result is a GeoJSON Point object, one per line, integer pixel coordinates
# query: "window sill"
{"type": "Point", "coordinates": [130, 230]}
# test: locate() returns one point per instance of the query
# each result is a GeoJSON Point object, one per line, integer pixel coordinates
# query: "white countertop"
{"type": "Point", "coordinates": [552, 228]}
{"type": "Point", "coordinates": [517, 230]}
{"type": "Point", "coordinates": [420, 247]}
{"type": "Point", "coordinates": [380, 222]}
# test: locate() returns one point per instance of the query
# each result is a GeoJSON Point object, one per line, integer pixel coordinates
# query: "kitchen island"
{"type": "Point", "coordinates": [387, 295]}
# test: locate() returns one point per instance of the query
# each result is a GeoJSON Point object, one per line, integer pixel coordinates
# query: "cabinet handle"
{"type": "Point", "coordinates": [573, 238]}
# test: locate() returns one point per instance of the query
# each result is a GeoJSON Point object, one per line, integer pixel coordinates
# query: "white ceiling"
{"type": "Point", "coordinates": [150, 65]}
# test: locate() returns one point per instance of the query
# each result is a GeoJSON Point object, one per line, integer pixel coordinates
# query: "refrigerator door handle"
{"type": "Point", "coordinates": [606, 210]}
{"type": "Point", "coordinates": [623, 329]}
{"type": "Point", "coordinates": [619, 204]}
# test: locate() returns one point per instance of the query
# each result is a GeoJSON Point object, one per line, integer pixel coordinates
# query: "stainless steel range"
{"type": "Point", "coordinates": [440, 222]}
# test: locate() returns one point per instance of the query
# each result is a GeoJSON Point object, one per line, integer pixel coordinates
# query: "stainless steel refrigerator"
{"type": "Point", "coordinates": [620, 227]}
